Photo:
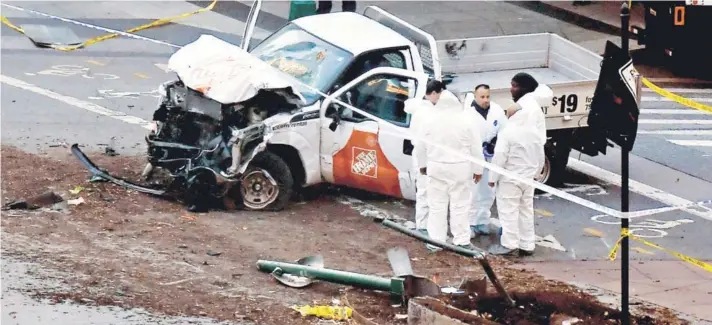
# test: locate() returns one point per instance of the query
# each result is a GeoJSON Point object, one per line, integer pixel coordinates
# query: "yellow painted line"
{"type": "Point", "coordinates": [642, 250]}
{"type": "Point", "coordinates": [96, 63]}
{"type": "Point", "coordinates": [594, 232]}
{"type": "Point", "coordinates": [544, 213]}
{"type": "Point", "coordinates": [141, 75]}
{"type": "Point", "coordinates": [156, 23]}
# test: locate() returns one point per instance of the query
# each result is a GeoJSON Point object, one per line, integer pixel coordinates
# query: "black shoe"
{"type": "Point", "coordinates": [524, 253]}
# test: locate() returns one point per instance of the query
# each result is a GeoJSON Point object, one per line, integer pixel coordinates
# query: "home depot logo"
{"type": "Point", "coordinates": [365, 162]}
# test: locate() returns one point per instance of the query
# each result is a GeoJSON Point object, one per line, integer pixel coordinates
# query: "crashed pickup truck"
{"type": "Point", "coordinates": [249, 124]}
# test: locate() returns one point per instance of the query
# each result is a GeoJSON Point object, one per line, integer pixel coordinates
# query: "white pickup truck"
{"type": "Point", "coordinates": [375, 61]}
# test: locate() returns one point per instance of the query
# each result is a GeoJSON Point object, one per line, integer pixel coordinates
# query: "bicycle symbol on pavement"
{"type": "Point", "coordinates": [650, 228]}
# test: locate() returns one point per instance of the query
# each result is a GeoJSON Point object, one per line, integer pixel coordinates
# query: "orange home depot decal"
{"type": "Point", "coordinates": [362, 164]}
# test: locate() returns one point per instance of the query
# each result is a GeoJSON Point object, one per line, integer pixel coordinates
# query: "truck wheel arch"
{"type": "Point", "coordinates": [291, 156]}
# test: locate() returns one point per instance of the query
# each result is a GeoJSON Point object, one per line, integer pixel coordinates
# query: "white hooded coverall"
{"type": "Point", "coordinates": [450, 175]}
{"type": "Point", "coordinates": [418, 109]}
{"type": "Point", "coordinates": [483, 194]}
{"type": "Point", "coordinates": [520, 150]}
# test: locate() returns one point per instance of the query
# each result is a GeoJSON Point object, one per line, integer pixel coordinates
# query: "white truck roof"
{"type": "Point", "coordinates": [352, 32]}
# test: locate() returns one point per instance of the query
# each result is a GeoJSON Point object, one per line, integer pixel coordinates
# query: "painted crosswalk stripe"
{"type": "Point", "coordinates": [665, 111]}
{"type": "Point", "coordinates": [662, 121]}
{"type": "Point", "coordinates": [663, 99]}
{"type": "Point", "coordinates": [683, 90]}
{"type": "Point", "coordinates": [693, 143]}
{"type": "Point", "coordinates": [676, 132]}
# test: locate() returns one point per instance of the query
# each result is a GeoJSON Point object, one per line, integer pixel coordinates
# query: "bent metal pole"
{"type": "Point", "coordinates": [480, 256]}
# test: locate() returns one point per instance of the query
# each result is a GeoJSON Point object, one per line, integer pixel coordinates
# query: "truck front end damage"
{"type": "Point", "coordinates": [211, 130]}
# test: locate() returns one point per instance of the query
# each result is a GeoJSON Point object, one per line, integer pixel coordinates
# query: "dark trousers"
{"type": "Point", "coordinates": [325, 6]}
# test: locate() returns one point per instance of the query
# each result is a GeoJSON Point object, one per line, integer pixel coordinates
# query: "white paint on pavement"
{"type": "Point", "coordinates": [664, 99]}
{"type": "Point", "coordinates": [650, 228]}
{"type": "Point", "coordinates": [676, 132]}
{"type": "Point", "coordinates": [675, 122]}
{"type": "Point", "coordinates": [673, 111]}
{"type": "Point", "coordinates": [163, 67]}
{"type": "Point", "coordinates": [91, 107]}
{"type": "Point", "coordinates": [693, 143]}
{"type": "Point", "coordinates": [588, 189]}
{"type": "Point", "coordinates": [683, 90]}
{"type": "Point", "coordinates": [550, 242]}
{"type": "Point", "coordinates": [640, 188]}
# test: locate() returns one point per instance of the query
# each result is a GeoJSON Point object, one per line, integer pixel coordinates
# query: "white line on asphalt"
{"type": "Point", "coordinates": [676, 132]}
{"type": "Point", "coordinates": [637, 187]}
{"type": "Point", "coordinates": [663, 99]}
{"type": "Point", "coordinates": [113, 31]}
{"type": "Point", "coordinates": [644, 121]}
{"type": "Point", "coordinates": [101, 110]}
{"type": "Point", "coordinates": [693, 143]}
{"type": "Point", "coordinates": [665, 111]}
{"type": "Point", "coordinates": [683, 90]}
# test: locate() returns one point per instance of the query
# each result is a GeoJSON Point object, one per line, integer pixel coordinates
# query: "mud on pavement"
{"type": "Point", "coordinates": [131, 250]}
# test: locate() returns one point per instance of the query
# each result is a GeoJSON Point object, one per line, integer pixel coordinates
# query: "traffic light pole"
{"type": "Point", "coordinates": [625, 18]}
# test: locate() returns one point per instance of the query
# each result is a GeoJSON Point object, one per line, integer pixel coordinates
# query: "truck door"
{"type": "Point", "coordinates": [250, 24]}
{"type": "Point", "coordinates": [371, 153]}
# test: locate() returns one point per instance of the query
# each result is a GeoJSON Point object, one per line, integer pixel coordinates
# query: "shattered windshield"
{"type": "Point", "coordinates": [305, 57]}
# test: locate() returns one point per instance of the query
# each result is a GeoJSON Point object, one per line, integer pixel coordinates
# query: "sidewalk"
{"type": "Point", "coordinates": [673, 284]}
{"type": "Point", "coordinates": [606, 13]}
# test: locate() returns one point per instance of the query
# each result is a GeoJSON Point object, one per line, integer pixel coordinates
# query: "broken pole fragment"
{"type": "Point", "coordinates": [479, 255]}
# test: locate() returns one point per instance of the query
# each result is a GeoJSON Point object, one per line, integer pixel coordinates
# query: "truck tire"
{"type": "Point", "coordinates": [267, 184]}
{"type": "Point", "coordinates": [555, 163]}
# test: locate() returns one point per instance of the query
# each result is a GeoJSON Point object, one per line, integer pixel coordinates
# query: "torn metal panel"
{"type": "Point", "coordinates": [95, 171]}
{"type": "Point", "coordinates": [49, 36]}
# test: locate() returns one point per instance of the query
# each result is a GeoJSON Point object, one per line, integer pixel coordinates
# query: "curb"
{"type": "Point", "coordinates": [571, 17]}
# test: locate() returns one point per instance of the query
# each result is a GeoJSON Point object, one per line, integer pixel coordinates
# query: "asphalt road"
{"type": "Point", "coordinates": [51, 97]}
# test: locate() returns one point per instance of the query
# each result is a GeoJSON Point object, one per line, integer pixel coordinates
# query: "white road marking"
{"type": "Point", "coordinates": [664, 99]}
{"type": "Point", "coordinates": [693, 143]}
{"type": "Point", "coordinates": [673, 111]}
{"type": "Point", "coordinates": [163, 67]}
{"type": "Point", "coordinates": [550, 242]}
{"type": "Point", "coordinates": [101, 110]}
{"type": "Point", "coordinates": [683, 90]}
{"type": "Point", "coordinates": [640, 188]}
{"type": "Point", "coordinates": [676, 132]}
{"type": "Point", "coordinates": [661, 121]}
{"type": "Point", "coordinates": [109, 30]}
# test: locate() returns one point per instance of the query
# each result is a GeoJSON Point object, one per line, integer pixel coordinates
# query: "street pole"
{"type": "Point", "coordinates": [625, 17]}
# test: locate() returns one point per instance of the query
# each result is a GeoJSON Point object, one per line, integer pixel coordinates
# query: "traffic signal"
{"type": "Point", "coordinates": [614, 109]}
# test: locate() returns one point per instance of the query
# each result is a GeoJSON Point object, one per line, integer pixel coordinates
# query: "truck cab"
{"type": "Point", "coordinates": [373, 61]}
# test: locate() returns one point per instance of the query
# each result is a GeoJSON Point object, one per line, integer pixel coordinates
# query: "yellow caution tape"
{"type": "Point", "coordinates": [625, 233]}
{"type": "Point", "coordinates": [156, 23]}
{"type": "Point", "coordinates": [677, 98]}
{"type": "Point", "coordinates": [11, 25]}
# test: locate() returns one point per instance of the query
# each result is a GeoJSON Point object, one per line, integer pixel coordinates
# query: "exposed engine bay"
{"type": "Point", "coordinates": [200, 149]}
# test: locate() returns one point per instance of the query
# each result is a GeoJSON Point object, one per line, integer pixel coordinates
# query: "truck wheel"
{"type": "Point", "coordinates": [267, 183]}
{"type": "Point", "coordinates": [554, 166]}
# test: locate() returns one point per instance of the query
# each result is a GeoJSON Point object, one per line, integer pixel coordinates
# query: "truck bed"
{"type": "Point", "coordinates": [501, 79]}
{"type": "Point", "coordinates": [569, 69]}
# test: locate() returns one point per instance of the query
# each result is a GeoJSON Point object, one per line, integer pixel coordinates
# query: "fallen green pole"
{"type": "Point", "coordinates": [478, 255]}
{"type": "Point", "coordinates": [363, 281]}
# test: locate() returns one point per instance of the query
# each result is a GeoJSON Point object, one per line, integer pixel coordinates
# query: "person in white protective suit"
{"type": "Point", "coordinates": [491, 119]}
{"type": "Point", "coordinates": [520, 150]}
{"type": "Point", "coordinates": [452, 139]}
{"type": "Point", "coordinates": [419, 109]}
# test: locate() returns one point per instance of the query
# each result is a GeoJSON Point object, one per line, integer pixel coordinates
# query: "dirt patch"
{"type": "Point", "coordinates": [132, 250]}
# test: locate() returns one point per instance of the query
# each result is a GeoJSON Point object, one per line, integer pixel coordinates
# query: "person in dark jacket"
{"type": "Point", "coordinates": [325, 6]}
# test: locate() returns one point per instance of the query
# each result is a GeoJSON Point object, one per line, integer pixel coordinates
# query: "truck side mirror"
{"type": "Point", "coordinates": [337, 118]}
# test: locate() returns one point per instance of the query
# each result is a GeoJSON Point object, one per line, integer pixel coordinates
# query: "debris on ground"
{"type": "Point", "coordinates": [139, 251]}
{"type": "Point", "coordinates": [325, 312]}
{"type": "Point", "coordinates": [45, 199]}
